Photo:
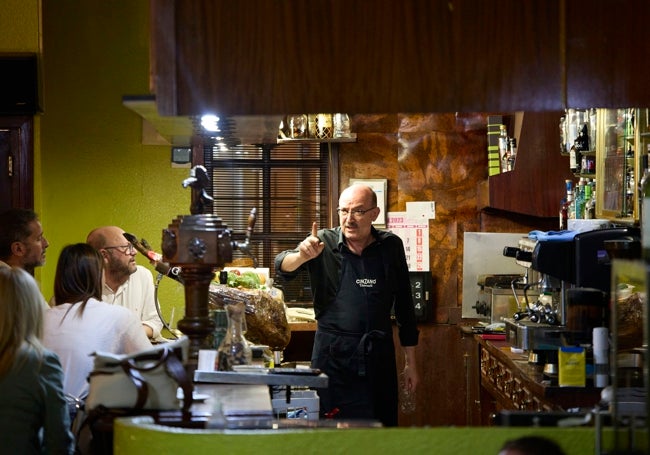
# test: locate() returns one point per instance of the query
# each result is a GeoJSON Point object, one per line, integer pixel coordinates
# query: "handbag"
{"type": "Point", "coordinates": [144, 380]}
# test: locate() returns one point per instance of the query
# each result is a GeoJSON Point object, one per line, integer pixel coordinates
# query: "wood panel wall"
{"type": "Point", "coordinates": [263, 57]}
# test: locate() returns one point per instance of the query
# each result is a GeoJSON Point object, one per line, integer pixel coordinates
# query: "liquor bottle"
{"type": "Point", "coordinates": [572, 127]}
{"type": "Point", "coordinates": [580, 200]}
{"type": "Point", "coordinates": [572, 204]}
{"type": "Point", "coordinates": [583, 138]}
{"type": "Point", "coordinates": [590, 204]}
{"type": "Point", "coordinates": [512, 153]}
{"type": "Point", "coordinates": [565, 204]}
{"type": "Point", "coordinates": [645, 181]}
{"type": "Point", "coordinates": [593, 119]}
{"type": "Point", "coordinates": [644, 189]}
{"type": "Point", "coordinates": [563, 135]}
{"type": "Point", "coordinates": [574, 164]}
{"type": "Point", "coordinates": [503, 148]}
{"type": "Point", "coordinates": [629, 193]}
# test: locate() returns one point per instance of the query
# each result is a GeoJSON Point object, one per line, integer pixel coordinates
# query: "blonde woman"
{"type": "Point", "coordinates": [34, 415]}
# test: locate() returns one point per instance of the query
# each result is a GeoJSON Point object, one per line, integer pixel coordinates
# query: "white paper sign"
{"type": "Point", "coordinates": [425, 210]}
{"type": "Point", "coordinates": [415, 235]}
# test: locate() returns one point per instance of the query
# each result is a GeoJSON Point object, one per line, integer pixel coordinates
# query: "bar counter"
{"type": "Point", "coordinates": [518, 384]}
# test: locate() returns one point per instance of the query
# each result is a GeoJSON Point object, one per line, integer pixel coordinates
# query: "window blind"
{"type": "Point", "coordinates": [287, 183]}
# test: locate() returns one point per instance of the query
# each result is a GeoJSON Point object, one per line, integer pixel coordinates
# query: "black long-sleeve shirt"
{"type": "Point", "coordinates": [325, 277]}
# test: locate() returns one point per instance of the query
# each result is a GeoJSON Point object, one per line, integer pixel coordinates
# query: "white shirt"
{"type": "Point", "coordinates": [102, 327]}
{"type": "Point", "coordinates": [137, 294]}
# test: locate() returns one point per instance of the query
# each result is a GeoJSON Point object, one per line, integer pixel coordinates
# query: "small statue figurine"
{"type": "Point", "coordinates": [200, 182]}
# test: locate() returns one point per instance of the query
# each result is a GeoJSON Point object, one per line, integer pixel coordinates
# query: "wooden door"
{"type": "Point", "coordinates": [16, 162]}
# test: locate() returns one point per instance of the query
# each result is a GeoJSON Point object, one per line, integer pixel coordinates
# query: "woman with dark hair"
{"type": "Point", "coordinates": [33, 411]}
{"type": "Point", "coordinates": [80, 324]}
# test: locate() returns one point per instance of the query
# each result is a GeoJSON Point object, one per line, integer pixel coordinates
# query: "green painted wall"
{"type": "Point", "coordinates": [94, 169]}
{"type": "Point", "coordinates": [19, 23]}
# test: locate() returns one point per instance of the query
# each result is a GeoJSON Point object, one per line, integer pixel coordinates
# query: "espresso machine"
{"type": "Point", "coordinates": [574, 288]}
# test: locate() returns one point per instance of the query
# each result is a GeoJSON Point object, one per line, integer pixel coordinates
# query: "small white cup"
{"type": "Point", "coordinates": [207, 359]}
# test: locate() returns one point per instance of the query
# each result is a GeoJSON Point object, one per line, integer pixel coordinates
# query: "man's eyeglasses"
{"type": "Point", "coordinates": [124, 249]}
{"type": "Point", "coordinates": [357, 213]}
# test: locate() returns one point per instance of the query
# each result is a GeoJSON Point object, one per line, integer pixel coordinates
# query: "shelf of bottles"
{"type": "Point", "coordinates": [578, 140]}
{"type": "Point", "coordinates": [618, 165]}
{"type": "Point", "coordinates": [578, 133]}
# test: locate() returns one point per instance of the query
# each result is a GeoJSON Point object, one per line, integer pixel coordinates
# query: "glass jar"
{"type": "Point", "coordinates": [324, 126]}
{"type": "Point", "coordinates": [341, 125]}
{"type": "Point", "coordinates": [234, 349]}
{"type": "Point", "coordinates": [297, 126]}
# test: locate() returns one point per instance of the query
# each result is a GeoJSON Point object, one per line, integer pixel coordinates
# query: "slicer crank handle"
{"type": "Point", "coordinates": [252, 218]}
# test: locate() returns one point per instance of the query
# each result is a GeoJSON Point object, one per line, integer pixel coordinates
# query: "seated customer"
{"type": "Point", "coordinates": [126, 283]}
{"type": "Point", "coordinates": [33, 410]}
{"type": "Point", "coordinates": [22, 243]}
{"type": "Point", "coordinates": [80, 323]}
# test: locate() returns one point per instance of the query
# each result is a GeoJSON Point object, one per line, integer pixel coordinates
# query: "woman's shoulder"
{"type": "Point", "coordinates": [39, 357]}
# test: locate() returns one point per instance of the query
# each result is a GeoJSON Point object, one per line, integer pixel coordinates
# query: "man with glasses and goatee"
{"type": "Point", "coordinates": [126, 283]}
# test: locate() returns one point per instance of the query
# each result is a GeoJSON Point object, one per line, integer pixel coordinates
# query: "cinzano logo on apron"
{"type": "Point", "coordinates": [366, 282]}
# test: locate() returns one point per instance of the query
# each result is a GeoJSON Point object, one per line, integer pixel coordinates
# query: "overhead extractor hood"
{"type": "Point", "coordinates": [178, 131]}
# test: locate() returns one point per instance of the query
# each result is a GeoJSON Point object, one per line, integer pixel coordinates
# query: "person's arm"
{"type": "Point", "coordinates": [133, 338]}
{"type": "Point", "coordinates": [57, 435]}
{"type": "Point", "coordinates": [308, 249]}
{"type": "Point", "coordinates": [411, 375]}
{"type": "Point", "coordinates": [405, 315]}
{"type": "Point", "coordinates": [151, 322]}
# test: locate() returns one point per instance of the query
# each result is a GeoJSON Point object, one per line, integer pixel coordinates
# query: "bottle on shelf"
{"type": "Point", "coordinates": [574, 163]}
{"type": "Point", "coordinates": [512, 153]}
{"type": "Point", "coordinates": [582, 141]}
{"type": "Point", "coordinates": [572, 127]}
{"type": "Point", "coordinates": [629, 193]}
{"type": "Point", "coordinates": [643, 182]}
{"type": "Point", "coordinates": [644, 189]}
{"type": "Point", "coordinates": [580, 200]}
{"type": "Point", "coordinates": [590, 202]}
{"type": "Point", "coordinates": [563, 135]}
{"type": "Point", "coordinates": [592, 128]}
{"type": "Point", "coordinates": [565, 205]}
{"type": "Point", "coordinates": [503, 148]}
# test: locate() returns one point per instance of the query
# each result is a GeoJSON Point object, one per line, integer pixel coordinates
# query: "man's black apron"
{"type": "Point", "coordinates": [354, 343]}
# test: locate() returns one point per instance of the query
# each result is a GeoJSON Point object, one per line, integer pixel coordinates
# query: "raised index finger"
{"type": "Point", "coordinates": [314, 229]}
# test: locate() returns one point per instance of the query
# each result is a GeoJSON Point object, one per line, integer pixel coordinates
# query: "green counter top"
{"type": "Point", "coordinates": [138, 435]}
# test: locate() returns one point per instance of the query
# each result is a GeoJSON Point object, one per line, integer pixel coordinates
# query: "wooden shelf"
{"type": "Point", "coordinates": [313, 140]}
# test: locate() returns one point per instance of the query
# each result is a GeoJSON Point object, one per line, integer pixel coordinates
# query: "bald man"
{"type": "Point", "coordinates": [126, 283]}
{"type": "Point", "coordinates": [357, 274]}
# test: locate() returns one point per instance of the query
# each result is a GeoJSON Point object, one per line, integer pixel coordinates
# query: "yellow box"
{"type": "Point", "coordinates": [571, 363]}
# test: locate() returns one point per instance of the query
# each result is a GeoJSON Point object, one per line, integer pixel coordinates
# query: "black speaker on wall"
{"type": "Point", "coordinates": [19, 92]}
